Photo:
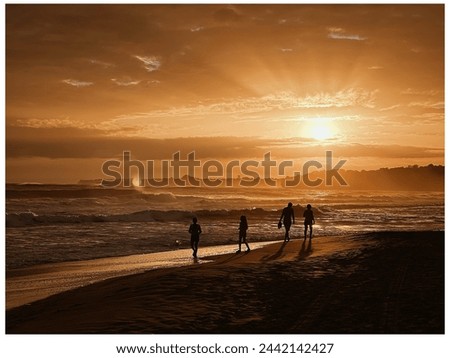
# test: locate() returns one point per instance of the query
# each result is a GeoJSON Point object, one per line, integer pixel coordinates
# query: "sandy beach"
{"type": "Point", "coordinates": [388, 282]}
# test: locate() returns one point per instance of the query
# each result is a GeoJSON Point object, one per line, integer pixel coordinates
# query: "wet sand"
{"type": "Point", "coordinates": [371, 283]}
{"type": "Point", "coordinates": [31, 284]}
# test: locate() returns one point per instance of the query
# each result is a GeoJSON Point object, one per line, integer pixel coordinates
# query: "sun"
{"type": "Point", "coordinates": [321, 132]}
{"type": "Point", "coordinates": [320, 129]}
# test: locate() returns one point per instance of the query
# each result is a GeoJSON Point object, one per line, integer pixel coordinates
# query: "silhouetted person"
{"type": "Point", "coordinates": [309, 220]}
{"type": "Point", "coordinates": [243, 226]}
{"type": "Point", "coordinates": [286, 216]}
{"type": "Point", "coordinates": [195, 230]}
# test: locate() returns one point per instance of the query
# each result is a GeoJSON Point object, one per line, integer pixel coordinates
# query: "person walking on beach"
{"type": "Point", "coordinates": [243, 226]}
{"type": "Point", "coordinates": [286, 215]}
{"type": "Point", "coordinates": [309, 220]}
{"type": "Point", "coordinates": [195, 230]}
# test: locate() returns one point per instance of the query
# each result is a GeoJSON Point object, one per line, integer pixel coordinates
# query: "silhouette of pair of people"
{"type": "Point", "coordinates": [288, 219]}
{"type": "Point", "coordinates": [195, 230]}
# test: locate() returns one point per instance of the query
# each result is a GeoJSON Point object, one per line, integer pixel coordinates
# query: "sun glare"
{"type": "Point", "coordinates": [320, 129]}
{"type": "Point", "coordinates": [135, 181]}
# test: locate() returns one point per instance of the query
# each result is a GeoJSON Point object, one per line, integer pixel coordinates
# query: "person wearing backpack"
{"type": "Point", "coordinates": [195, 230]}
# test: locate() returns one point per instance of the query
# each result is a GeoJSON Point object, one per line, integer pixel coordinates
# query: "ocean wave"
{"type": "Point", "coordinates": [335, 213]}
{"type": "Point", "coordinates": [30, 218]}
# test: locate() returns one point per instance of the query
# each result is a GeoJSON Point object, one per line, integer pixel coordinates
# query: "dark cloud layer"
{"type": "Point", "coordinates": [49, 143]}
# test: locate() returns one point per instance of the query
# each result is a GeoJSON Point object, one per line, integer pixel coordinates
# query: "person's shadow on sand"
{"type": "Point", "coordinates": [277, 254]}
{"type": "Point", "coordinates": [235, 256]}
{"type": "Point", "coordinates": [305, 251]}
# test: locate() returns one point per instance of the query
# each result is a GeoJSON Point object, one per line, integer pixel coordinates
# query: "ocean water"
{"type": "Point", "coordinates": [57, 223]}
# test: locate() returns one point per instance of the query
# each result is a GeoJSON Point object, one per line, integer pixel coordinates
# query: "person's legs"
{"type": "Point", "coordinates": [286, 234]}
{"type": "Point", "coordinates": [310, 231]}
{"type": "Point", "coordinates": [195, 247]}
{"type": "Point", "coordinates": [240, 242]}
{"type": "Point", "coordinates": [306, 230]}
{"type": "Point", "coordinates": [244, 239]}
{"type": "Point", "coordinates": [287, 226]}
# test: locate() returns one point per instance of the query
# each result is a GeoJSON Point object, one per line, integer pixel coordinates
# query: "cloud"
{"type": "Point", "coordinates": [77, 83]}
{"type": "Point", "coordinates": [152, 83]}
{"type": "Point", "coordinates": [197, 28]}
{"type": "Point", "coordinates": [345, 98]}
{"type": "Point", "coordinates": [281, 101]}
{"type": "Point", "coordinates": [20, 125]}
{"type": "Point", "coordinates": [427, 104]}
{"type": "Point", "coordinates": [337, 33]}
{"type": "Point", "coordinates": [390, 108]}
{"type": "Point", "coordinates": [415, 92]}
{"type": "Point", "coordinates": [125, 82]}
{"type": "Point", "coordinates": [375, 68]}
{"type": "Point", "coordinates": [46, 123]}
{"type": "Point", "coordinates": [429, 118]}
{"type": "Point", "coordinates": [387, 151]}
{"type": "Point", "coordinates": [151, 63]}
{"type": "Point", "coordinates": [101, 63]}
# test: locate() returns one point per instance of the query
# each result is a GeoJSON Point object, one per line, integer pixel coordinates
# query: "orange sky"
{"type": "Point", "coordinates": [86, 82]}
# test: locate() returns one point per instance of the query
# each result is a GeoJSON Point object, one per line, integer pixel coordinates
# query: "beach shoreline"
{"type": "Point", "coordinates": [29, 284]}
{"type": "Point", "coordinates": [380, 282]}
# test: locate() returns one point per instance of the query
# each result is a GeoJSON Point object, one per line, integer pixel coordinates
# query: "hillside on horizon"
{"type": "Point", "coordinates": [425, 178]}
{"type": "Point", "coordinates": [414, 177]}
